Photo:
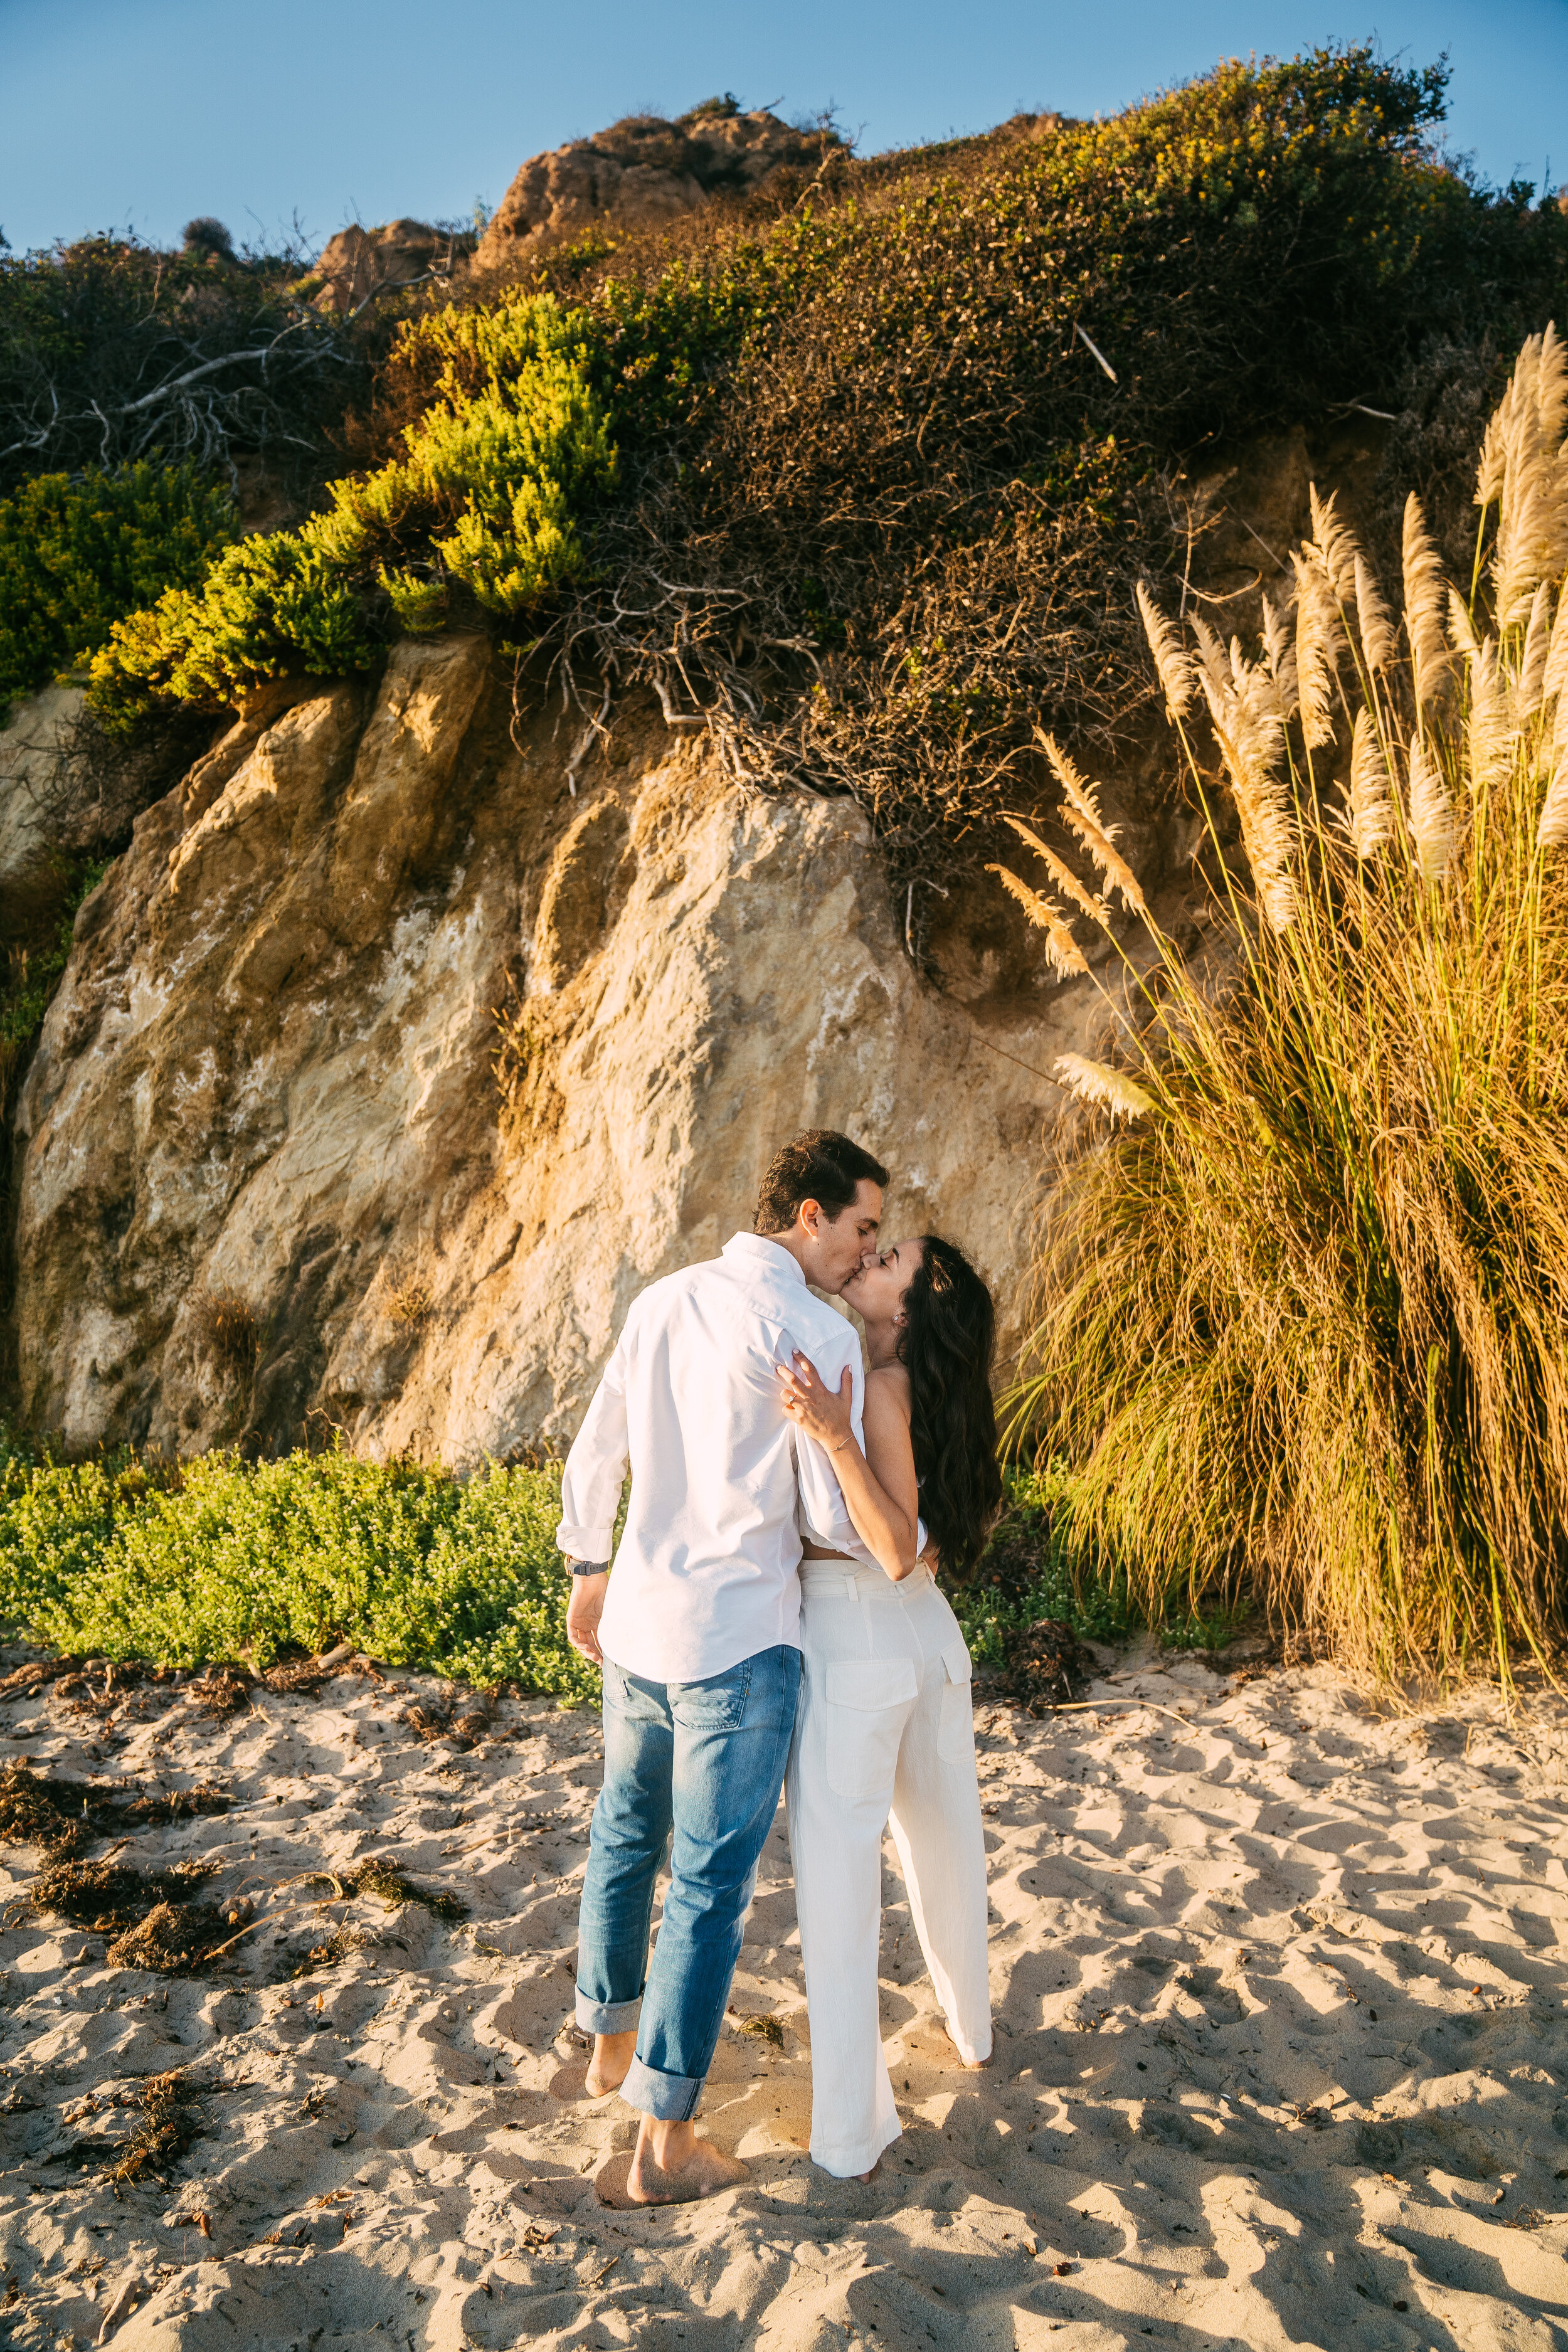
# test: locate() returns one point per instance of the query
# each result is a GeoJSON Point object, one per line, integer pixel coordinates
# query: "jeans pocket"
{"type": "Point", "coordinates": [956, 1725]}
{"type": "Point", "coordinates": [867, 1703]}
{"type": "Point", "coordinates": [718, 1703]}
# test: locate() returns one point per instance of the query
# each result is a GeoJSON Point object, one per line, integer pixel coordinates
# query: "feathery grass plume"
{"type": "Point", "coordinates": [1320, 639]}
{"type": "Point", "coordinates": [1060, 873]}
{"type": "Point", "coordinates": [1281, 649]}
{"type": "Point", "coordinates": [1369, 810]}
{"type": "Point", "coordinates": [1081, 812]}
{"type": "Point", "coordinates": [1431, 813]}
{"type": "Point", "coordinates": [1097, 1082]}
{"type": "Point", "coordinates": [1531, 485]}
{"type": "Point", "coordinates": [1372, 615]}
{"type": "Point", "coordinates": [1063, 953]}
{"type": "Point", "coordinates": [1309, 1326]}
{"type": "Point", "coordinates": [1531, 686]}
{"type": "Point", "coordinates": [1335, 542]}
{"type": "Point", "coordinates": [1215, 673]}
{"type": "Point", "coordinates": [1553, 833]}
{"type": "Point", "coordinates": [1249, 728]}
{"type": "Point", "coordinates": [1171, 657]}
{"type": "Point", "coordinates": [1464, 629]}
{"type": "Point", "coordinates": [1424, 599]}
{"type": "Point", "coordinates": [1554, 676]}
{"type": "Point", "coordinates": [1491, 736]}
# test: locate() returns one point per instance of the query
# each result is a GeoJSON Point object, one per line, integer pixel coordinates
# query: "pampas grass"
{"type": "Point", "coordinates": [1303, 1317]}
{"type": "Point", "coordinates": [1097, 1082]}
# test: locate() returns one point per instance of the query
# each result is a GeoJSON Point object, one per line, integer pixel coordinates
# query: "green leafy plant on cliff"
{"type": "Point", "coordinates": [480, 510]}
{"type": "Point", "coordinates": [1305, 1310]}
{"type": "Point", "coordinates": [75, 553]}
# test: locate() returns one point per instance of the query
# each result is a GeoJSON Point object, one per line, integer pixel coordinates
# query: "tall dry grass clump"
{"type": "Point", "coordinates": [1305, 1307]}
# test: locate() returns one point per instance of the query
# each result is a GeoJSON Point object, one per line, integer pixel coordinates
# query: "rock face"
{"type": "Point", "coordinates": [358, 262]}
{"type": "Point", "coordinates": [640, 171]}
{"type": "Point", "coordinates": [32, 763]}
{"type": "Point", "coordinates": [385, 1071]}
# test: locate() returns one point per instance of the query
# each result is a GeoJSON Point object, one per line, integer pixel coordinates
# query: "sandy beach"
{"type": "Point", "coordinates": [1281, 1988]}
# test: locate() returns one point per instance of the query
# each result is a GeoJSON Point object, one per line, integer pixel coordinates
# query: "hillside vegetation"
{"type": "Point", "coordinates": [851, 483]}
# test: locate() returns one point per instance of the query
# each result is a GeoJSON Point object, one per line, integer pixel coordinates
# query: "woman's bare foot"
{"type": "Point", "coordinates": [611, 2061]}
{"type": "Point", "coordinates": [672, 2167]}
{"type": "Point", "coordinates": [872, 2174]}
{"type": "Point", "coordinates": [970, 2065]}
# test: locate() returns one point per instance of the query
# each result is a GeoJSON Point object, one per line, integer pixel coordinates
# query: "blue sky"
{"type": "Point", "coordinates": [115, 115]}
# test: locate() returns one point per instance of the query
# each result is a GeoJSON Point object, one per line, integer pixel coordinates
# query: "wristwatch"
{"type": "Point", "coordinates": [588, 1567]}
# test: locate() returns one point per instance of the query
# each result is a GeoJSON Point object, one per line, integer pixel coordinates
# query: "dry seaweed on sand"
{"type": "Point", "coordinates": [176, 1939]}
{"type": "Point", "coordinates": [64, 1816]}
{"type": "Point", "coordinates": [378, 1876]}
{"type": "Point", "coordinates": [1046, 1665]}
{"type": "Point", "coordinates": [152, 1915]}
{"type": "Point", "coordinates": [222, 1691]}
{"type": "Point", "coordinates": [169, 2123]}
{"type": "Point", "coordinates": [328, 1954]}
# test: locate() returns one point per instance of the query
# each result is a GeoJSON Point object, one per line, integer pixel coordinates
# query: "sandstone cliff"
{"type": "Point", "coordinates": [281, 1169]}
{"type": "Point", "coordinates": [640, 173]}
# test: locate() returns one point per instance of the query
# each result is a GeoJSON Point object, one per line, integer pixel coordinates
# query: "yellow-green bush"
{"type": "Point", "coordinates": [482, 504]}
{"type": "Point", "coordinates": [76, 553]}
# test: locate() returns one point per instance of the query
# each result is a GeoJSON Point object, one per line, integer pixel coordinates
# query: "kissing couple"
{"type": "Point", "coordinates": [774, 1618]}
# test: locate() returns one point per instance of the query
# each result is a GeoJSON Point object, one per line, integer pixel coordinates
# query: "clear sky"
{"type": "Point", "coordinates": [138, 115]}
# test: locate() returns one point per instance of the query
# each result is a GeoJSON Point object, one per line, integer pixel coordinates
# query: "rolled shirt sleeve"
{"type": "Point", "coordinates": [596, 1468]}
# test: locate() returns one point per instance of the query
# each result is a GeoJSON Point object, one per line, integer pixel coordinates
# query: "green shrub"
{"type": "Point", "coordinates": [1306, 1316]}
{"type": "Point", "coordinates": [227, 1560]}
{"type": "Point", "coordinates": [112, 351]}
{"type": "Point", "coordinates": [483, 502]}
{"type": "Point", "coordinates": [76, 554]}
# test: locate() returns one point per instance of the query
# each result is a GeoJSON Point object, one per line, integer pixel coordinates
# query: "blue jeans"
{"type": "Point", "coordinates": [696, 1768]}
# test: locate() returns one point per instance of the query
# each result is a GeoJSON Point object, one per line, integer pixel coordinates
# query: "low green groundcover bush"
{"type": "Point", "coordinates": [78, 552]}
{"type": "Point", "coordinates": [118, 1558]}
{"type": "Point", "coordinates": [233, 1559]}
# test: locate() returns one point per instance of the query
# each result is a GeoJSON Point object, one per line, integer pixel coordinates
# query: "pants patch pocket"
{"type": "Point", "coordinates": [866, 1703]}
{"type": "Point", "coordinates": [956, 1725]}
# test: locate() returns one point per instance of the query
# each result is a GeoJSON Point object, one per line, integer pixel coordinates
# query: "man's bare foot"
{"type": "Point", "coordinates": [611, 2061]}
{"type": "Point", "coordinates": [672, 2167]}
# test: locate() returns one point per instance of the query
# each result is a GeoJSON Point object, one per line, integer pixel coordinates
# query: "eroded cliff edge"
{"type": "Point", "coordinates": [272, 1178]}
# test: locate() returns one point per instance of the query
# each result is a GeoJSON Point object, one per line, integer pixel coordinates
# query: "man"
{"type": "Point", "coordinates": [697, 1629]}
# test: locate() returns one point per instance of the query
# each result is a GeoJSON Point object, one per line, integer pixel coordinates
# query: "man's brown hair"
{"type": "Point", "coordinates": [820, 1165]}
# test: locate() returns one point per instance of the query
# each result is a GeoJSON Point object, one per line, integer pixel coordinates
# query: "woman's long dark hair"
{"type": "Point", "coordinates": [947, 1348]}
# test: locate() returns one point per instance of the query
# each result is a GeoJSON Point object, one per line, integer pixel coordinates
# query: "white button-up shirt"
{"type": "Point", "coordinates": [708, 1569]}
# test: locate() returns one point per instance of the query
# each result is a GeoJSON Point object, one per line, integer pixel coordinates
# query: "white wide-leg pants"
{"type": "Point", "coordinates": [885, 1726]}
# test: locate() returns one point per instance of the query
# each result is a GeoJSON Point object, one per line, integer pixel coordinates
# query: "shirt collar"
{"type": "Point", "coordinates": [772, 1255]}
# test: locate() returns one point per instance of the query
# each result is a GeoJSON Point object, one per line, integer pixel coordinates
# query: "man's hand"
{"type": "Point", "coordinates": [583, 1612]}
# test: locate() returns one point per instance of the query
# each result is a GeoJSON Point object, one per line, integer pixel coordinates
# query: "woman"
{"type": "Point", "coordinates": [885, 1722]}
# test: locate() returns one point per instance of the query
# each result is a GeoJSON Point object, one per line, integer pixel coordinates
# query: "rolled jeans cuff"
{"type": "Point", "coordinates": [607, 2016]}
{"type": "Point", "coordinates": [668, 2098]}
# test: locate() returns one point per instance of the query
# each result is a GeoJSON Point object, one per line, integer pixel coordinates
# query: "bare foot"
{"type": "Point", "coordinates": [872, 2174]}
{"type": "Point", "coordinates": [693, 2168]}
{"type": "Point", "coordinates": [970, 2065]}
{"type": "Point", "coordinates": [611, 2061]}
